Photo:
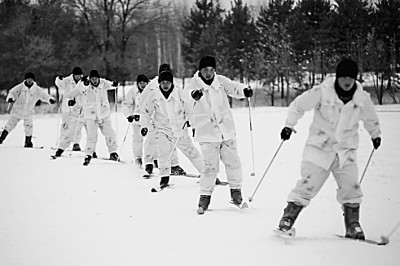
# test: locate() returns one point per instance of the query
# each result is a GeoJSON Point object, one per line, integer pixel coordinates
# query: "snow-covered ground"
{"type": "Point", "coordinates": [62, 213]}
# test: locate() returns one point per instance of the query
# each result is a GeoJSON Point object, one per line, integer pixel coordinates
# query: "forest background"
{"type": "Point", "coordinates": [280, 47]}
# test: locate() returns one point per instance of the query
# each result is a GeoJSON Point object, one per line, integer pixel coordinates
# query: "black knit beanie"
{"type": "Point", "coordinates": [347, 68]}
{"type": "Point", "coordinates": [207, 61]}
{"type": "Point", "coordinates": [30, 75]}
{"type": "Point", "coordinates": [77, 71]}
{"type": "Point", "coordinates": [164, 67]}
{"type": "Point", "coordinates": [166, 75]}
{"type": "Point", "coordinates": [94, 74]}
{"type": "Point", "coordinates": [141, 78]}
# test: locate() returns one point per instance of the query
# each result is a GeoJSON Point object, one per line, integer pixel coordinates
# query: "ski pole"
{"type": "Point", "coordinates": [58, 124]}
{"type": "Point", "coordinates": [5, 117]}
{"type": "Point", "coordinates": [116, 115]}
{"type": "Point", "coordinates": [180, 135]}
{"type": "Point", "coordinates": [366, 166]}
{"type": "Point", "coordinates": [385, 239]}
{"type": "Point", "coordinates": [259, 183]}
{"type": "Point", "coordinates": [123, 141]}
{"type": "Point", "coordinates": [251, 135]}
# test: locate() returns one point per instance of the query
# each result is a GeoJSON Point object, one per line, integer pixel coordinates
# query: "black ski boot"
{"type": "Point", "coordinates": [139, 162]}
{"type": "Point", "coordinates": [204, 202]}
{"type": "Point", "coordinates": [290, 214]}
{"type": "Point", "coordinates": [164, 181]}
{"type": "Point", "coordinates": [155, 162]}
{"type": "Point", "coordinates": [236, 196]}
{"type": "Point", "coordinates": [59, 152]}
{"type": "Point", "coordinates": [351, 221]}
{"type": "Point", "coordinates": [94, 155]}
{"type": "Point", "coordinates": [3, 136]}
{"type": "Point", "coordinates": [177, 170]}
{"type": "Point", "coordinates": [76, 147]}
{"type": "Point", "coordinates": [28, 142]}
{"type": "Point", "coordinates": [149, 168]}
{"type": "Point", "coordinates": [114, 156]}
{"type": "Point", "coordinates": [87, 160]}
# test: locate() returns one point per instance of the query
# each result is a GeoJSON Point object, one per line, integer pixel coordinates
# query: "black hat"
{"type": "Point", "coordinates": [30, 75]}
{"type": "Point", "coordinates": [94, 73]}
{"type": "Point", "coordinates": [166, 75]}
{"type": "Point", "coordinates": [141, 78]}
{"type": "Point", "coordinates": [347, 68]}
{"type": "Point", "coordinates": [77, 71]}
{"type": "Point", "coordinates": [164, 67]}
{"type": "Point", "coordinates": [207, 61]}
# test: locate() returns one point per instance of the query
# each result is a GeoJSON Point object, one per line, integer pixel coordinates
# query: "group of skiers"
{"type": "Point", "coordinates": [161, 112]}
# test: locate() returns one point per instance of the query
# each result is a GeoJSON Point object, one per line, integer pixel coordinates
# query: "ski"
{"type": "Point", "coordinates": [221, 183]}
{"type": "Point", "coordinates": [368, 241]}
{"type": "Point", "coordinates": [148, 176]}
{"type": "Point", "coordinates": [242, 205]}
{"type": "Point", "coordinates": [159, 189]}
{"type": "Point", "coordinates": [291, 233]}
{"type": "Point", "coordinates": [108, 159]}
{"type": "Point", "coordinates": [188, 175]}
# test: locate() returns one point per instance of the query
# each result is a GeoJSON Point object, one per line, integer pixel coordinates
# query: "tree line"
{"type": "Point", "coordinates": [286, 44]}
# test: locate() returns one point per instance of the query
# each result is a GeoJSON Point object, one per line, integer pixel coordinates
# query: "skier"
{"type": "Point", "coordinates": [339, 103]}
{"type": "Point", "coordinates": [176, 169]}
{"type": "Point", "coordinates": [169, 109]}
{"type": "Point", "coordinates": [215, 129]}
{"type": "Point", "coordinates": [65, 85]}
{"type": "Point", "coordinates": [97, 112]}
{"type": "Point", "coordinates": [140, 145]}
{"type": "Point", "coordinates": [24, 97]}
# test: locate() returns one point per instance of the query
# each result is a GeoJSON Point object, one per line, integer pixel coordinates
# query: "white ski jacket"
{"type": "Point", "coordinates": [130, 104]}
{"type": "Point", "coordinates": [334, 129]}
{"type": "Point", "coordinates": [25, 99]}
{"type": "Point", "coordinates": [95, 99]}
{"type": "Point", "coordinates": [212, 116]}
{"type": "Point", "coordinates": [65, 86]}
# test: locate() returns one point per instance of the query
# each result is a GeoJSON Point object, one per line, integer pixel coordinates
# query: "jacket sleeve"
{"type": "Point", "coordinates": [79, 88]}
{"type": "Point", "coordinates": [143, 96]}
{"type": "Point", "coordinates": [128, 104]}
{"type": "Point", "coordinates": [14, 92]}
{"type": "Point", "coordinates": [305, 102]}
{"type": "Point", "coordinates": [232, 88]}
{"type": "Point", "coordinates": [42, 95]}
{"type": "Point", "coordinates": [148, 110]}
{"type": "Point", "coordinates": [370, 118]}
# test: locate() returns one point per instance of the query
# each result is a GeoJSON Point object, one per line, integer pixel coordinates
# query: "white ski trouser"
{"type": "Point", "coordinates": [143, 147]}
{"type": "Point", "coordinates": [165, 144]}
{"type": "Point", "coordinates": [66, 120]}
{"type": "Point", "coordinates": [106, 129]}
{"type": "Point", "coordinates": [313, 177]}
{"type": "Point", "coordinates": [74, 129]}
{"type": "Point", "coordinates": [227, 151]}
{"type": "Point", "coordinates": [13, 121]}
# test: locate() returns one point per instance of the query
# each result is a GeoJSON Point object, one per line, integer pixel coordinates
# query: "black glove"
{"type": "Point", "coordinates": [71, 102]}
{"type": "Point", "coordinates": [196, 95]}
{"type": "Point", "coordinates": [248, 92]}
{"type": "Point", "coordinates": [187, 124]}
{"type": "Point", "coordinates": [52, 101]}
{"type": "Point", "coordinates": [144, 131]}
{"type": "Point", "coordinates": [114, 83]}
{"type": "Point", "coordinates": [85, 80]}
{"type": "Point", "coordinates": [130, 118]}
{"type": "Point", "coordinates": [11, 100]}
{"type": "Point", "coordinates": [60, 77]}
{"type": "Point", "coordinates": [376, 142]}
{"type": "Point", "coordinates": [285, 133]}
{"type": "Point", "coordinates": [136, 117]}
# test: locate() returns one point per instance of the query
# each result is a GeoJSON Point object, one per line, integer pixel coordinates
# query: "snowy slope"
{"type": "Point", "coordinates": [62, 213]}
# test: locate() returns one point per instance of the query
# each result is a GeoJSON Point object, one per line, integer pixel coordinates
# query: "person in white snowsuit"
{"type": "Point", "coordinates": [143, 148]}
{"type": "Point", "coordinates": [97, 112]}
{"type": "Point", "coordinates": [65, 85]}
{"type": "Point", "coordinates": [339, 104]}
{"type": "Point", "coordinates": [170, 108]}
{"type": "Point", "coordinates": [176, 169]}
{"type": "Point", "coordinates": [23, 98]}
{"type": "Point", "coordinates": [215, 128]}
{"type": "Point", "coordinates": [76, 122]}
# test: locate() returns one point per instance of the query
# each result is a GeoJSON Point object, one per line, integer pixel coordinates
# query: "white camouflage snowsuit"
{"type": "Point", "coordinates": [333, 141]}
{"type": "Point", "coordinates": [153, 85]}
{"type": "Point", "coordinates": [215, 130]}
{"type": "Point", "coordinates": [23, 107]}
{"type": "Point", "coordinates": [140, 144]}
{"type": "Point", "coordinates": [68, 115]}
{"type": "Point", "coordinates": [97, 113]}
{"type": "Point", "coordinates": [169, 115]}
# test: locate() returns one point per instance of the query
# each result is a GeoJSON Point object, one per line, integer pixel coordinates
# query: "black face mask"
{"type": "Point", "coordinates": [26, 84]}
{"type": "Point", "coordinates": [345, 96]}
{"type": "Point", "coordinates": [208, 82]}
{"type": "Point", "coordinates": [166, 93]}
